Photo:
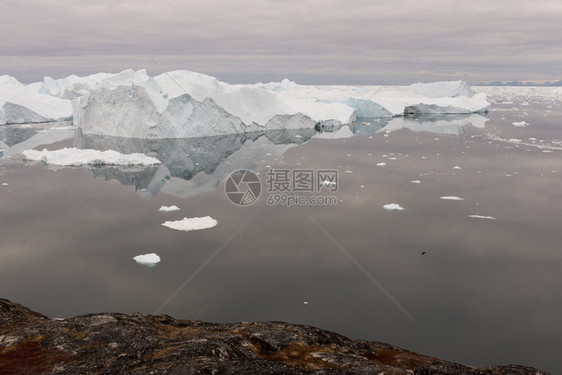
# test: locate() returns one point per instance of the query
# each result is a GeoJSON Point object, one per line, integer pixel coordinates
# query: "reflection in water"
{"type": "Point", "coordinates": [10, 136]}
{"type": "Point", "coordinates": [191, 166]}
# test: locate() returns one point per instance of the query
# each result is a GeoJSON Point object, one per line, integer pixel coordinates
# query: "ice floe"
{"type": "Point", "coordinates": [149, 260]}
{"type": "Point", "coordinates": [393, 207]}
{"type": "Point", "coordinates": [520, 124]}
{"type": "Point", "coordinates": [169, 208]}
{"type": "Point", "coordinates": [194, 223]}
{"type": "Point", "coordinates": [79, 157]}
{"type": "Point", "coordinates": [482, 217]}
{"type": "Point", "coordinates": [452, 198]}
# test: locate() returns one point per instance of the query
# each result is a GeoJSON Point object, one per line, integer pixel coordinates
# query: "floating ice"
{"type": "Point", "coordinates": [381, 164]}
{"type": "Point", "coordinates": [520, 124]}
{"type": "Point", "coordinates": [393, 207]}
{"type": "Point", "coordinates": [78, 157]}
{"type": "Point", "coordinates": [452, 198]}
{"type": "Point", "coordinates": [416, 182]}
{"type": "Point", "coordinates": [456, 167]}
{"type": "Point", "coordinates": [482, 217]}
{"type": "Point", "coordinates": [4, 184]}
{"type": "Point", "coordinates": [148, 260]}
{"type": "Point", "coordinates": [169, 208]}
{"type": "Point", "coordinates": [194, 223]}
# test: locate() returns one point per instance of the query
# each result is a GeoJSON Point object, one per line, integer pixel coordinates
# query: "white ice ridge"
{"type": "Point", "coordinates": [188, 104]}
{"type": "Point", "coordinates": [148, 260]}
{"type": "Point", "coordinates": [393, 207]}
{"type": "Point", "coordinates": [79, 157]}
{"type": "Point", "coordinates": [194, 223]}
{"type": "Point", "coordinates": [169, 208]}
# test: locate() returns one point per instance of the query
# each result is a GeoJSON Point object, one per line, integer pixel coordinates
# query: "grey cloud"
{"type": "Point", "coordinates": [328, 42]}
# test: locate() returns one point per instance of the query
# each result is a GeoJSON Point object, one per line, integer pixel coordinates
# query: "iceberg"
{"type": "Point", "coordinates": [79, 157]}
{"type": "Point", "coordinates": [21, 104]}
{"type": "Point", "coordinates": [183, 104]}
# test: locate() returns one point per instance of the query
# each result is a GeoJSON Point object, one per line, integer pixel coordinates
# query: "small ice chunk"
{"type": "Point", "coordinates": [4, 184]}
{"type": "Point", "coordinates": [482, 217]}
{"type": "Point", "coordinates": [456, 167]}
{"type": "Point", "coordinates": [393, 207]}
{"type": "Point", "coordinates": [148, 260]}
{"type": "Point", "coordinates": [520, 124]}
{"type": "Point", "coordinates": [194, 223]}
{"type": "Point", "coordinates": [169, 208]}
{"type": "Point", "coordinates": [381, 164]}
{"type": "Point", "coordinates": [416, 182]}
{"type": "Point", "coordinates": [305, 302]}
{"type": "Point", "coordinates": [452, 198]}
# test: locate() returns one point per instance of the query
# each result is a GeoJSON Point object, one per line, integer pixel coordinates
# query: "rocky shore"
{"type": "Point", "coordinates": [31, 343]}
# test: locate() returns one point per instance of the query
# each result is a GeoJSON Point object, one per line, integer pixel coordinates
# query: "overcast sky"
{"type": "Point", "coordinates": [309, 41]}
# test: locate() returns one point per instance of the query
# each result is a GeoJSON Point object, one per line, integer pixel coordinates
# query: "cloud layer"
{"type": "Point", "coordinates": [325, 41]}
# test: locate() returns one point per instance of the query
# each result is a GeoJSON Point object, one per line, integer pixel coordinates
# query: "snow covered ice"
{"type": "Point", "coordinates": [194, 223]}
{"type": "Point", "coordinates": [79, 157]}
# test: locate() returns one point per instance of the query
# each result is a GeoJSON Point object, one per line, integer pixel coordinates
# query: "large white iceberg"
{"type": "Point", "coordinates": [184, 104]}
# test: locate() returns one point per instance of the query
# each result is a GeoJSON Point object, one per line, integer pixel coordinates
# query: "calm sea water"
{"type": "Point", "coordinates": [478, 290]}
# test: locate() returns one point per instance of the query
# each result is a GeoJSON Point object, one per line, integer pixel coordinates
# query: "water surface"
{"type": "Point", "coordinates": [429, 278]}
